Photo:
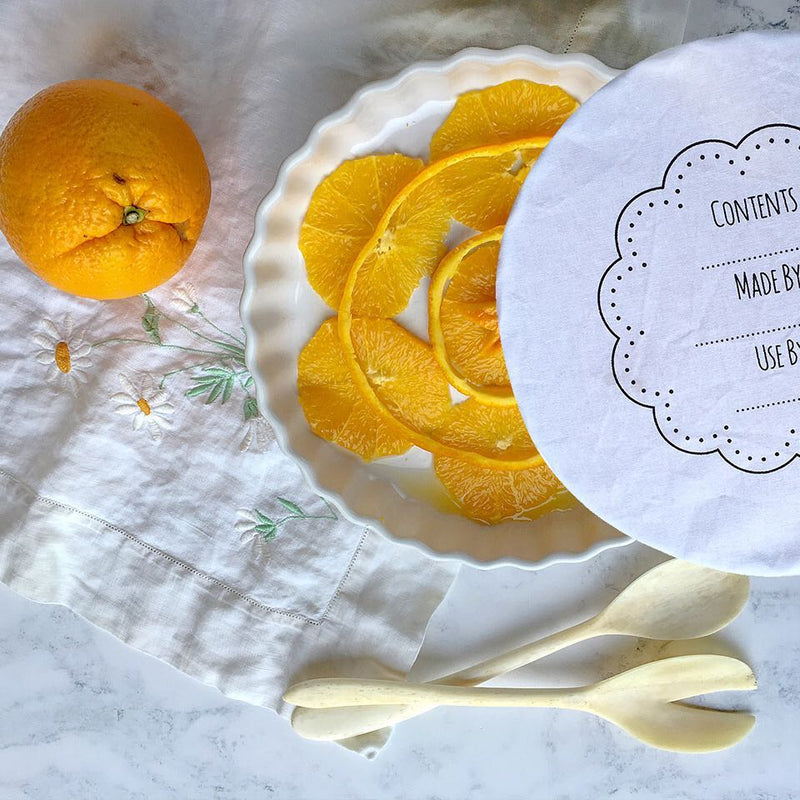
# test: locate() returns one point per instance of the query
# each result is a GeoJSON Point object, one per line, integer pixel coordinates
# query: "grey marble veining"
{"type": "Point", "coordinates": [713, 17]}
{"type": "Point", "coordinates": [82, 716]}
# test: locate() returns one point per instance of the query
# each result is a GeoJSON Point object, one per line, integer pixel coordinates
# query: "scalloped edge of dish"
{"type": "Point", "coordinates": [261, 352]}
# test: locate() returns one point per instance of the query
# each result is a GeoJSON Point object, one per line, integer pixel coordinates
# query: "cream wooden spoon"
{"type": "Point", "coordinates": [674, 600]}
{"type": "Point", "coordinates": [640, 701]}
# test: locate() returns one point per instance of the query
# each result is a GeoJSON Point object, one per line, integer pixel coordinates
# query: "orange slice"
{"type": "Point", "coordinates": [472, 425]}
{"type": "Point", "coordinates": [403, 373]}
{"type": "Point", "coordinates": [479, 192]}
{"type": "Point", "coordinates": [475, 186]}
{"type": "Point", "coordinates": [492, 494]}
{"type": "Point", "coordinates": [400, 367]}
{"type": "Point", "coordinates": [341, 218]}
{"type": "Point", "coordinates": [507, 112]}
{"type": "Point", "coordinates": [333, 406]}
{"type": "Point", "coordinates": [462, 320]}
{"type": "Point", "coordinates": [419, 185]}
{"type": "Point", "coordinates": [346, 207]}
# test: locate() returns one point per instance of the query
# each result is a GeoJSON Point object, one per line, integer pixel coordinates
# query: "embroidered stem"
{"type": "Point", "coordinates": [305, 516]}
{"type": "Point", "coordinates": [182, 369]}
{"type": "Point", "coordinates": [217, 328]}
{"type": "Point", "coordinates": [116, 340]}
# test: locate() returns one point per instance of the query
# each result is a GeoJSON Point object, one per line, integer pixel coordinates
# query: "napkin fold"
{"type": "Point", "coordinates": [142, 488]}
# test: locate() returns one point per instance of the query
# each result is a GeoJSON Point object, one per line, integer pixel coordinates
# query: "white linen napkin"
{"type": "Point", "coordinates": [142, 488]}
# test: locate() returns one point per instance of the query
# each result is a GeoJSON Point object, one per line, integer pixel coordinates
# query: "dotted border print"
{"type": "Point", "coordinates": [661, 398]}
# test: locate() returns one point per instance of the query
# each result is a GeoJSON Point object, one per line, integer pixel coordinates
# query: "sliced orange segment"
{"type": "Point", "coordinates": [493, 430]}
{"type": "Point", "coordinates": [492, 494]}
{"type": "Point", "coordinates": [333, 406]}
{"type": "Point", "coordinates": [403, 372]}
{"type": "Point", "coordinates": [510, 111]}
{"type": "Point", "coordinates": [462, 320]}
{"type": "Point", "coordinates": [480, 191]}
{"type": "Point", "coordinates": [341, 218]}
{"type": "Point", "coordinates": [406, 251]}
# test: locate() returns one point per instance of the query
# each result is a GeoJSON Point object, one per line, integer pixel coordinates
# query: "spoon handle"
{"type": "Point", "coordinates": [341, 723]}
{"type": "Point", "coordinates": [527, 653]}
{"type": "Point", "coordinates": [337, 692]}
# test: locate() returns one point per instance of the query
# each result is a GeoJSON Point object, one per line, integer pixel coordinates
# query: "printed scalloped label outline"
{"type": "Point", "coordinates": [704, 300]}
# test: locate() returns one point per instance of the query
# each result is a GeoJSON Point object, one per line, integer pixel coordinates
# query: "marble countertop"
{"type": "Point", "coordinates": [84, 716]}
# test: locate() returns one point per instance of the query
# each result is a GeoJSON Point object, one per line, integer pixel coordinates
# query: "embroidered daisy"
{"type": "Point", "coordinates": [64, 352]}
{"type": "Point", "coordinates": [184, 298]}
{"type": "Point", "coordinates": [146, 403]}
{"type": "Point", "coordinates": [256, 436]}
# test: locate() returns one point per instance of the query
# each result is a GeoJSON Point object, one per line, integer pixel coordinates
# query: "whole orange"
{"type": "Point", "coordinates": [103, 188]}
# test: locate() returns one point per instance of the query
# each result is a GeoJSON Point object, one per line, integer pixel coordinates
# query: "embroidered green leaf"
{"type": "Point", "coordinates": [267, 531]}
{"type": "Point", "coordinates": [215, 392]}
{"type": "Point", "coordinates": [202, 386]}
{"type": "Point", "coordinates": [226, 392]}
{"type": "Point", "coordinates": [199, 389]}
{"type": "Point", "coordinates": [291, 507]}
{"type": "Point", "coordinates": [249, 382]}
{"type": "Point", "coordinates": [215, 382]}
{"type": "Point", "coordinates": [263, 517]}
{"type": "Point", "coordinates": [150, 322]}
{"type": "Point", "coordinates": [235, 351]}
{"type": "Point", "coordinates": [331, 509]}
{"type": "Point", "coordinates": [219, 372]}
{"type": "Point", "coordinates": [250, 408]}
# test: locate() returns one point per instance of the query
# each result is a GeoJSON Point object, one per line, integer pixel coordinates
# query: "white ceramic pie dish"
{"type": "Point", "coordinates": [399, 497]}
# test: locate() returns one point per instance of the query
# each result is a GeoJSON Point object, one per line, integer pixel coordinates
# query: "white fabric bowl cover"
{"type": "Point", "coordinates": [649, 299]}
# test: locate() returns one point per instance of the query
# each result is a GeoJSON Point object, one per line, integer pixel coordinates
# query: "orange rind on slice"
{"type": "Point", "coordinates": [333, 406]}
{"type": "Point", "coordinates": [462, 320]}
{"type": "Point", "coordinates": [341, 218]}
{"type": "Point", "coordinates": [493, 494]}
{"type": "Point", "coordinates": [507, 112]}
